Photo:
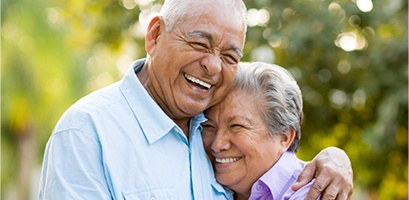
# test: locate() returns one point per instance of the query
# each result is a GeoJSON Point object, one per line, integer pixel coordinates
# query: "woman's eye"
{"type": "Point", "coordinates": [236, 126]}
{"type": "Point", "coordinates": [207, 127]}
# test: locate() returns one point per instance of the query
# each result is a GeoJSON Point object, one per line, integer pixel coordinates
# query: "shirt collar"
{"type": "Point", "coordinates": [153, 121]}
{"type": "Point", "coordinates": [195, 123]}
{"type": "Point", "coordinates": [281, 174]}
{"type": "Point", "coordinates": [227, 193]}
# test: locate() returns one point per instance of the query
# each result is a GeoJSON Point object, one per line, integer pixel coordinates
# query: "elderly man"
{"type": "Point", "coordinates": [140, 138]}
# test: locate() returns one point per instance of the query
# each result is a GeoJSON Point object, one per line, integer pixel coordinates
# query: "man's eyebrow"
{"type": "Point", "coordinates": [237, 50]}
{"type": "Point", "coordinates": [200, 34]}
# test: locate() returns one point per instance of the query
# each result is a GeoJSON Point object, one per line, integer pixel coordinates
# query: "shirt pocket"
{"type": "Point", "coordinates": [151, 194]}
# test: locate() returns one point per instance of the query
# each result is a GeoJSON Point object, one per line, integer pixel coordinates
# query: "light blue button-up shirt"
{"type": "Point", "coordinates": [117, 143]}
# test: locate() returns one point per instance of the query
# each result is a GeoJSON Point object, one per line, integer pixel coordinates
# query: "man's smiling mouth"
{"type": "Point", "coordinates": [197, 81]}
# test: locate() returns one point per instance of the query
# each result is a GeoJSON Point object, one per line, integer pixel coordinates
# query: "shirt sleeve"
{"type": "Point", "coordinates": [73, 167]}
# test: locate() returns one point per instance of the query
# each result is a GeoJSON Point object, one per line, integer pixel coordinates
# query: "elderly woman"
{"type": "Point", "coordinates": [252, 135]}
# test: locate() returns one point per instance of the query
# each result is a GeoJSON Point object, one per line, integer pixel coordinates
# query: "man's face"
{"type": "Point", "coordinates": [193, 65]}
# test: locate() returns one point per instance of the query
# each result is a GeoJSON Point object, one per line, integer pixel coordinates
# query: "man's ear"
{"type": "Point", "coordinates": [155, 28]}
{"type": "Point", "coordinates": [286, 140]}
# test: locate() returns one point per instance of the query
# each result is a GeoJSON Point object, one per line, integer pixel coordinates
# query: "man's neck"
{"type": "Point", "coordinates": [143, 77]}
{"type": "Point", "coordinates": [184, 125]}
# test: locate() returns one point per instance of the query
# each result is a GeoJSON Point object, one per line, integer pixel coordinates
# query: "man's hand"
{"type": "Point", "coordinates": [333, 175]}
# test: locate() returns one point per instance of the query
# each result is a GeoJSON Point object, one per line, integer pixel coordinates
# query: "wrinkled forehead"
{"type": "Point", "coordinates": [234, 98]}
{"type": "Point", "coordinates": [216, 25]}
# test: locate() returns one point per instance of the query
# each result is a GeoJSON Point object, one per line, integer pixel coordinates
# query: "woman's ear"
{"type": "Point", "coordinates": [155, 28]}
{"type": "Point", "coordinates": [286, 140]}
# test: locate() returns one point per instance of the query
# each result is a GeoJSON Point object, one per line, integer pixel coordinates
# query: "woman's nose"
{"type": "Point", "coordinates": [220, 143]}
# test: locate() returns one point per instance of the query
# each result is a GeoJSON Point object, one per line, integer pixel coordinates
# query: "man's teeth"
{"type": "Point", "coordinates": [226, 160]}
{"type": "Point", "coordinates": [197, 81]}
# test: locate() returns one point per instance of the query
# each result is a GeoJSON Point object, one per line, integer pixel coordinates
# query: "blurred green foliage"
{"type": "Point", "coordinates": [351, 64]}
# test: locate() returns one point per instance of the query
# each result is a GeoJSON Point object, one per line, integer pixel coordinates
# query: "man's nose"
{"type": "Point", "coordinates": [212, 64]}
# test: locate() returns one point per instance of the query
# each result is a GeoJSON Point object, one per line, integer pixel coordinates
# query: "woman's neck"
{"type": "Point", "coordinates": [238, 196]}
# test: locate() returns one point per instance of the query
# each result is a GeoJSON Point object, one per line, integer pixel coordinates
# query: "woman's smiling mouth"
{"type": "Point", "coordinates": [227, 160]}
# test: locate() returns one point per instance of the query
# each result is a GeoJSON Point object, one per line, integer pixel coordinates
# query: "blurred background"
{"type": "Point", "coordinates": [350, 58]}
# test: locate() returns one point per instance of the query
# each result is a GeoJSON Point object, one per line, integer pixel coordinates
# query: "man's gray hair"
{"type": "Point", "coordinates": [279, 96]}
{"type": "Point", "coordinates": [174, 11]}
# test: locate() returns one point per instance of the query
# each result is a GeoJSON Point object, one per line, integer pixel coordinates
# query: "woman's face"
{"type": "Point", "coordinates": [238, 142]}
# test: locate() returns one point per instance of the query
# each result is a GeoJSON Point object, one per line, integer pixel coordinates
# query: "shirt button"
{"type": "Point", "coordinates": [152, 198]}
{"type": "Point", "coordinates": [259, 187]}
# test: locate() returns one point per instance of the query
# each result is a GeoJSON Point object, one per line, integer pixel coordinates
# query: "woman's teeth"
{"type": "Point", "coordinates": [226, 160]}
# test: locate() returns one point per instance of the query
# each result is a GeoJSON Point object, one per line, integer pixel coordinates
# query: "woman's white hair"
{"type": "Point", "coordinates": [174, 11]}
{"type": "Point", "coordinates": [279, 96]}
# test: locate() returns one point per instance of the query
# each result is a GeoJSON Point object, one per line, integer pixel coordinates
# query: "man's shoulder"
{"type": "Point", "coordinates": [100, 98]}
{"type": "Point", "coordinates": [91, 106]}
